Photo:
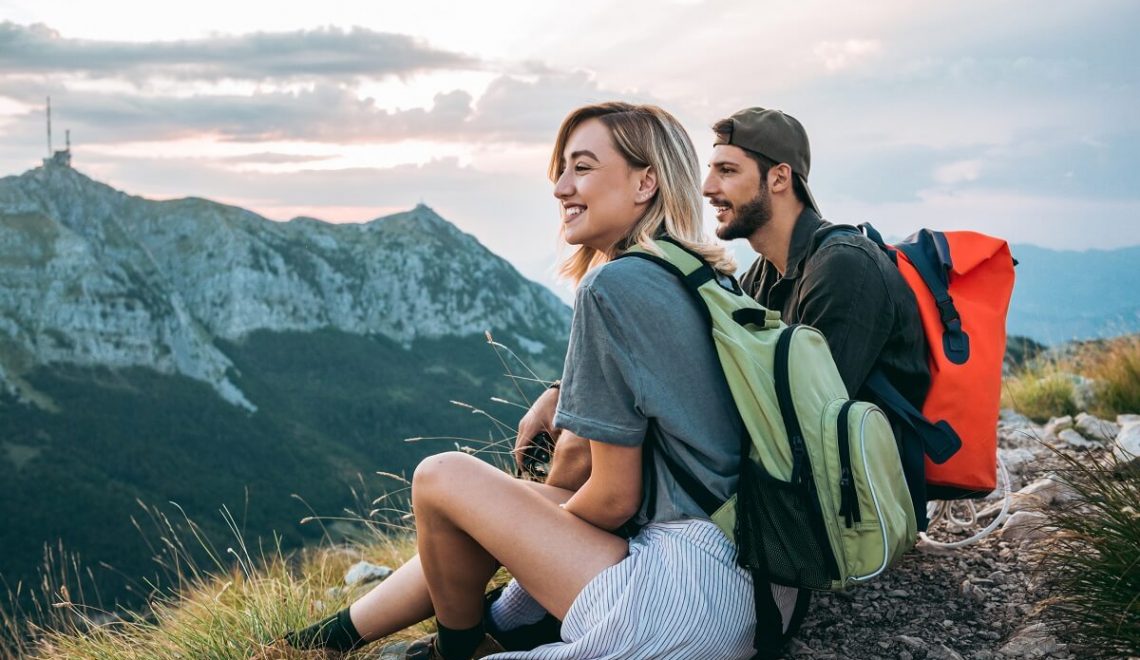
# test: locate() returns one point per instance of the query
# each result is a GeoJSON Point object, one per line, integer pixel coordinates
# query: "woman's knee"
{"type": "Point", "coordinates": [442, 474]}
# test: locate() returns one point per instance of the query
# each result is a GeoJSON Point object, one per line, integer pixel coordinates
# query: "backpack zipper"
{"type": "Point", "coordinates": [848, 499]}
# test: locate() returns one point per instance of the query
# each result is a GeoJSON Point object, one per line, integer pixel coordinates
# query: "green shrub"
{"type": "Point", "coordinates": [1117, 377]}
{"type": "Point", "coordinates": [1040, 392]}
{"type": "Point", "coordinates": [1092, 567]}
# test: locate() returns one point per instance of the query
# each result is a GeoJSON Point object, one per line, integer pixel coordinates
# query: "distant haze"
{"type": "Point", "coordinates": [1014, 118]}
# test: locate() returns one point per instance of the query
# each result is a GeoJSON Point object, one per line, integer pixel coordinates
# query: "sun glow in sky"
{"type": "Point", "coordinates": [1016, 118]}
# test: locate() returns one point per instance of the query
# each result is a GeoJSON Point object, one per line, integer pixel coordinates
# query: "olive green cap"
{"type": "Point", "coordinates": [776, 136]}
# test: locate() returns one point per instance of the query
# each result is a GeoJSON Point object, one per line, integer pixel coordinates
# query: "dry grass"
{"type": "Point", "coordinates": [1117, 373]}
{"type": "Point", "coordinates": [1040, 391]}
{"type": "Point", "coordinates": [233, 608]}
{"type": "Point", "coordinates": [1045, 387]}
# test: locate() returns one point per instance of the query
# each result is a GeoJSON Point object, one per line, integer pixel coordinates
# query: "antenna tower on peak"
{"type": "Point", "coordinates": [61, 158]}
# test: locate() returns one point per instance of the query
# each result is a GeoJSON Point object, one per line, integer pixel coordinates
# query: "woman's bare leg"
{"type": "Point", "coordinates": [403, 599]}
{"type": "Point", "coordinates": [470, 517]}
{"type": "Point", "coordinates": [399, 601]}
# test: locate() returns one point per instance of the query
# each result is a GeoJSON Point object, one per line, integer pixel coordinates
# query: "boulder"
{"type": "Point", "coordinates": [942, 652]}
{"type": "Point", "coordinates": [1037, 495]}
{"type": "Point", "coordinates": [1057, 424]}
{"type": "Point", "coordinates": [1094, 428]}
{"type": "Point", "coordinates": [1050, 489]}
{"type": "Point", "coordinates": [1077, 441]}
{"type": "Point", "coordinates": [1013, 437]}
{"type": "Point", "coordinates": [363, 572]}
{"type": "Point", "coordinates": [1125, 420]}
{"type": "Point", "coordinates": [1033, 641]}
{"type": "Point", "coordinates": [1017, 459]}
{"type": "Point", "coordinates": [1024, 526]}
{"type": "Point", "coordinates": [1010, 418]}
{"type": "Point", "coordinates": [1127, 446]}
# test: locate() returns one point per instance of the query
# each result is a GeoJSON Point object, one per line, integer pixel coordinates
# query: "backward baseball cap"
{"type": "Point", "coordinates": [776, 136]}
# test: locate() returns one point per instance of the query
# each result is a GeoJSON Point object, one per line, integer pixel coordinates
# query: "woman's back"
{"type": "Point", "coordinates": [641, 365]}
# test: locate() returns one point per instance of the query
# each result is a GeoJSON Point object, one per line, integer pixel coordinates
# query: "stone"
{"type": "Point", "coordinates": [972, 591]}
{"type": "Point", "coordinates": [1127, 445]}
{"type": "Point", "coordinates": [1093, 428]}
{"type": "Point", "coordinates": [363, 572]}
{"type": "Point", "coordinates": [1016, 459]}
{"type": "Point", "coordinates": [1051, 489]}
{"type": "Point", "coordinates": [394, 651]}
{"type": "Point", "coordinates": [1074, 439]}
{"type": "Point", "coordinates": [1032, 641]}
{"type": "Point", "coordinates": [1011, 418]}
{"type": "Point", "coordinates": [912, 643]}
{"type": "Point", "coordinates": [798, 648]}
{"type": "Point", "coordinates": [1025, 525]}
{"type": "Point", "coordinates": [1037, 495]}
{"type": "Point", "coordinates": [1058, 424]}
{"type": "Point", "coordinates": [942, 652]}
{"type": "Point", "coordinates": [1125, 420]}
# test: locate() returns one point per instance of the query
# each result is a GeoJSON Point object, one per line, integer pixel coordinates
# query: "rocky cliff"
{"type": "Point", "coordinates": [93, 276]}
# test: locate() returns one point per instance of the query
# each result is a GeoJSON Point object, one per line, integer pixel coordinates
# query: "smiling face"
{"type": "Point", "coordinates": [601, 195]}
{"type": "Point", "coordinates": [737, 192]}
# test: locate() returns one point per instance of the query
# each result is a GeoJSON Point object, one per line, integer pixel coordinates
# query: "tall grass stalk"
{"type": "Point", "coordinates": [1092, 566]}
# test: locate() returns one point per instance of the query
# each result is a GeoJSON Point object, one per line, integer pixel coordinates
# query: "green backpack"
{"type": "Point", "coordinates": [822, 502]}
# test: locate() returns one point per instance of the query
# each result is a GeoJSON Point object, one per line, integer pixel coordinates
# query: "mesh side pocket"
{"type": "Point", "coordinates": [778, 532]}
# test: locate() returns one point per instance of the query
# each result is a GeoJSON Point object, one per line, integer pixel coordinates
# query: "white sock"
{"type": "Point", "coordinates": [515, 607]}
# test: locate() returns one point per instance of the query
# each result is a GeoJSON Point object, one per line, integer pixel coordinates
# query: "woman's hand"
{"type": "Point", "coordinates": [539, 418]}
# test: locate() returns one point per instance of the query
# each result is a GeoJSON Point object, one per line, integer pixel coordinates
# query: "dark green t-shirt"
{"type": "Point", "coordinates": [849, 290]}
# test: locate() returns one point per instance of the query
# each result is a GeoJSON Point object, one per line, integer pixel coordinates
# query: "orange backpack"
{"type": "Point", "coordinates": [963, 281]}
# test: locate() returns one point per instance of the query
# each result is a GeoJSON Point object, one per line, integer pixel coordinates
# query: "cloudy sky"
{"type": "Point", "coordinates": [1018, 118]}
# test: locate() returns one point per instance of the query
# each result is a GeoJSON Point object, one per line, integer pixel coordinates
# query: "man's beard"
{"type": "Point", "coordinates": [749, 218]}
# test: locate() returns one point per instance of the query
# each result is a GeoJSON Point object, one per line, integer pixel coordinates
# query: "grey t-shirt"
{"type": "Point", "coordinates": [640, 352]}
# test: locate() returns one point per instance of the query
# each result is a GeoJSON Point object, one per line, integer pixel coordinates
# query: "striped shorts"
{"type": "Point", "coordinates": [679, 594]}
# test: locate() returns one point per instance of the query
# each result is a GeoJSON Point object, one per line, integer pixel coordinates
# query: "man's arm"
{"type": "Point", "coordinates": [843, 295]}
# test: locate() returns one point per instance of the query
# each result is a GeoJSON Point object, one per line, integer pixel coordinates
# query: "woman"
{"type": "Point", "coordinates": [641, 377]}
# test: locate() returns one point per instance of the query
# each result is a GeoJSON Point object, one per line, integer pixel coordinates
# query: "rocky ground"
{"type": "Point", "coordinates": [981, 601]}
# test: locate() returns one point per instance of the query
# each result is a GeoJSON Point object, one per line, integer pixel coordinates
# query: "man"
{"type": "Point", "coordinates": [838, 282]}
{"type": "Point", "coordinates": [843, 286]}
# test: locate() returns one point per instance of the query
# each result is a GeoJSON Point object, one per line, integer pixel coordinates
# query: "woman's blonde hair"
{"type": "Point", "coordinates": [646, 136]}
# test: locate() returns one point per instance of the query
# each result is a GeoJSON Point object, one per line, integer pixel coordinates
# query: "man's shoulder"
{"type": "Point", "coordinates": [841, 250]}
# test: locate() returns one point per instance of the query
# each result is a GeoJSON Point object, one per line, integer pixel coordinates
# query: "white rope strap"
{"type": "Point", "coordinates": [936, 511]}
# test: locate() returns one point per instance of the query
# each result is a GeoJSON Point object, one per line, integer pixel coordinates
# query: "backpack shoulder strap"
{"type": "Point", "coordinates": [929, 253]}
